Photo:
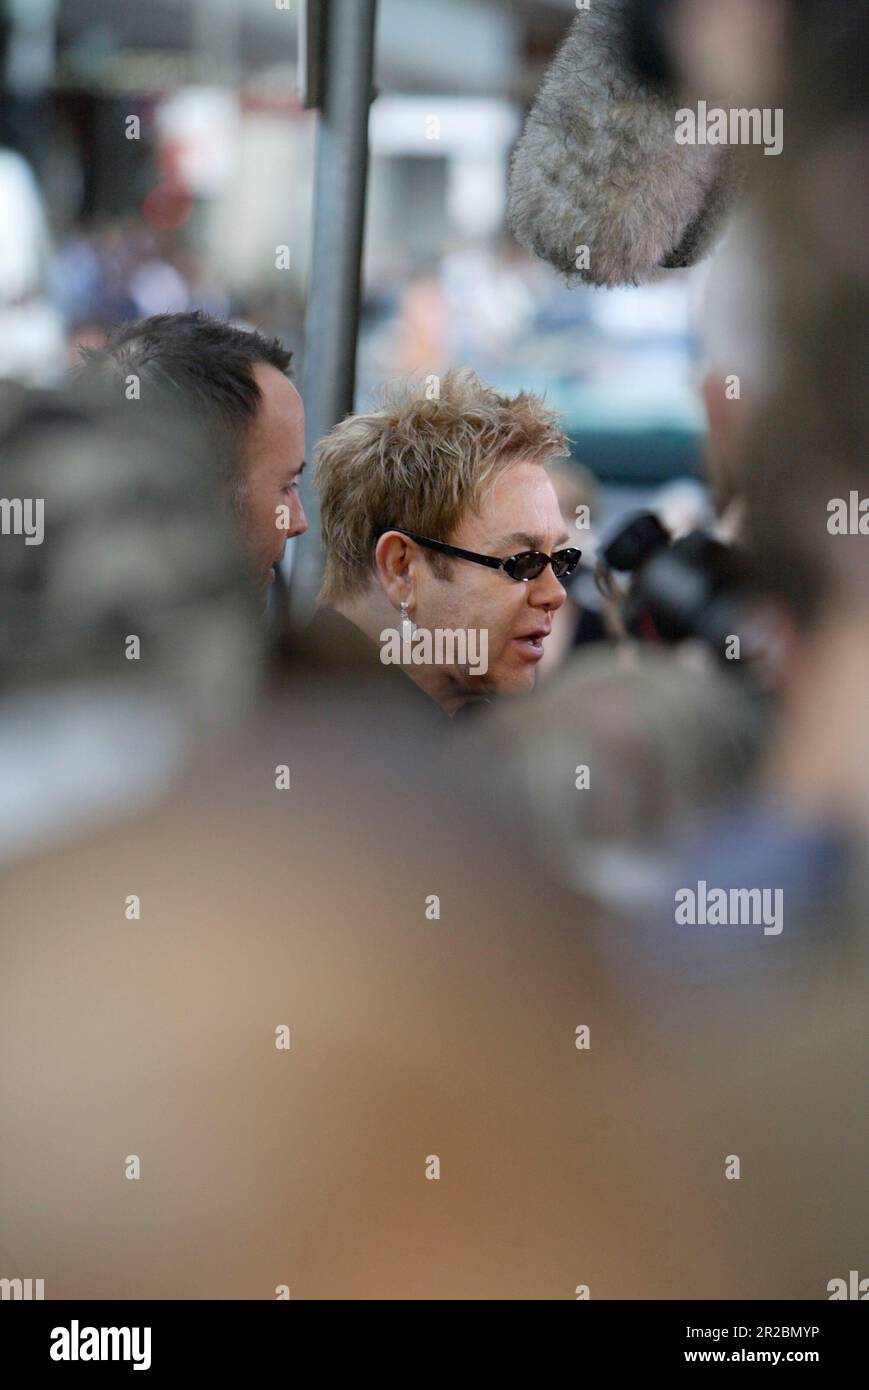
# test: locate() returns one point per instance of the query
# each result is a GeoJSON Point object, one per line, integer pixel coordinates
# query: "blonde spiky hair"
{"type": "Point", "coordinates": [420, 463]}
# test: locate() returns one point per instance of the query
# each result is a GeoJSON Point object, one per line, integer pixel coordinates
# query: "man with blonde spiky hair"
{"type": "Point", "coordinates": [443, 537]}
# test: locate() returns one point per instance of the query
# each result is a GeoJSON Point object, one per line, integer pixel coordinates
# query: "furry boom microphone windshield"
{"type": "Point", "coordinates": [598, 166]}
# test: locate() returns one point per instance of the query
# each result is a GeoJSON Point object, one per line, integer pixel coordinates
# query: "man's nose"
{"type": "Point", "coordinates": [298, 523]}
{"type": "Point", "coordinates": [546, 591]}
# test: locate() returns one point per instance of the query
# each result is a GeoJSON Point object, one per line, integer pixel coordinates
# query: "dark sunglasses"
{"type": "Point", "coordinates": [529, 564]}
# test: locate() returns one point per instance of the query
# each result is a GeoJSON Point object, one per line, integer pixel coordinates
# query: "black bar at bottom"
{"type": "Point", "coordinates": [235, 1337]}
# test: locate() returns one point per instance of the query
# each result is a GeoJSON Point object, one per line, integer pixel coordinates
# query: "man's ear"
{"type": "Point", "coordinates": [395, 558]}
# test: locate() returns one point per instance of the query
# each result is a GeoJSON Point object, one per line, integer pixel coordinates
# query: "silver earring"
{"type": "Point", "coordinates": [408, 626]}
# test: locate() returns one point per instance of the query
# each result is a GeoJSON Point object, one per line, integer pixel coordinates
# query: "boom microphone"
{"type": "Point", "coordinates": [599, 187]}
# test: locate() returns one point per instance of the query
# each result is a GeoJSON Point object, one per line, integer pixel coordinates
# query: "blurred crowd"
{"type": "Point", "coordinates": [436, 877]}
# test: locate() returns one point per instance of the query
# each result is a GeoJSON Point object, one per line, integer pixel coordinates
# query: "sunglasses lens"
{"type": "Point", "coordinates": [564, 562]}
{"type": "Point", "coordinates": [528, 565]}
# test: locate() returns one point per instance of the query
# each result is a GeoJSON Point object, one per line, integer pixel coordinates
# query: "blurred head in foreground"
{"type": "Point", "coordinates": [806, 455]}
{"type": "Point", "coordinates": [129, 621]}
{"type": "Point", "coordinates": [405, 487]}
{"type": "Point", "coordinates": [233, 383]}
{"type": "Point", "coordinates": [625, 750]}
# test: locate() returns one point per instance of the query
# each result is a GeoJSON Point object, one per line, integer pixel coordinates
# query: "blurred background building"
{"type": "Point", "coordinates": [157, 157]}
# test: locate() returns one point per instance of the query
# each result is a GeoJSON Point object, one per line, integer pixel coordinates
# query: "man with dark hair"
{"type": "Point", "coordinates": [235, 385]}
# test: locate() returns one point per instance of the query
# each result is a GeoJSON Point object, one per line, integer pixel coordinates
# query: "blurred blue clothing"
{"type": "Point", "coordinates": [752, 845]}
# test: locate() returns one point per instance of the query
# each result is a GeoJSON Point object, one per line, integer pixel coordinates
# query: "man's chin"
{"type": "Point", "coordinates": [513, 681]}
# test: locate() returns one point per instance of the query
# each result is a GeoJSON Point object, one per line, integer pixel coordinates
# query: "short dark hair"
{"type": "Point", "coordinates": [198, 364]}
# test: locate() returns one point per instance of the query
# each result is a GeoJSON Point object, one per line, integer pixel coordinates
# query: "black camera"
{"type": "Point", "coordinates": [695, 587]}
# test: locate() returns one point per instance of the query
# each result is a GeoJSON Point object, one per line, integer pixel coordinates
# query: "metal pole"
{"type": "Point", "coordinates": [332, 318]}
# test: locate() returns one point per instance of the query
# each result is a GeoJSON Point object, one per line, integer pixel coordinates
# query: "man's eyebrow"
{"type": "Point", "coordinates": [520, 538]}
{"type": "Point", "coordinates": [528, 541]}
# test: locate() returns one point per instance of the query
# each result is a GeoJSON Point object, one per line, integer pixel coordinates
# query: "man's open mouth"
{"type": "Point", "coordinates": [532, 642]}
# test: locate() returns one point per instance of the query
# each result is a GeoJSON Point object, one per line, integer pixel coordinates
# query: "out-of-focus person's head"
{"type": "Point", "coordinates": [468, 469]}
{"type": "Point", "coordinates": [234, 384]}
{"type": "Point", "coordinates": [799, 230]}
{"type": "Point", "coordinates": [129, 623]}
{"type": "Point", "coordinates": [806, 450]}
{"type": "Point", "coordinates": [805, 453]}
{"type": "Point", "coordinates": [805, 523]}
{"type": "Point", "coordinates": [622, 753]}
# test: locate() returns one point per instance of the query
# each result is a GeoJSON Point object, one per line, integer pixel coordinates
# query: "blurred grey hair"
{"type": "Point", "coordinates": [136, 543]}
{"type": "Point", "coordinates": [663, 742]}
{"type": "Point", "coordinates": [598, 166]}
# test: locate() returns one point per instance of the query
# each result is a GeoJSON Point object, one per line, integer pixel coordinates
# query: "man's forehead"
{"type": "Point", "coordinates": [279, 424]}
{"type": "Point", "coordinates": [520, 508]}
{"type": "Point", "coordinates": [516, 483]}
{"type": "Point", "coordinates": [277, 392]}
